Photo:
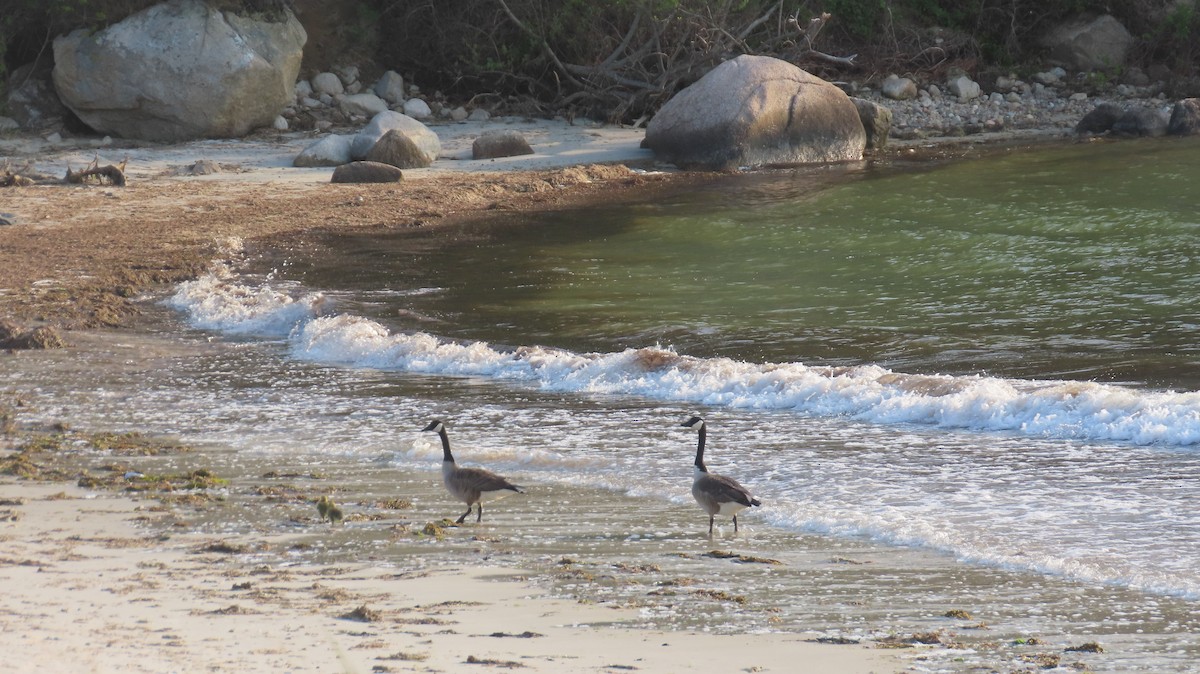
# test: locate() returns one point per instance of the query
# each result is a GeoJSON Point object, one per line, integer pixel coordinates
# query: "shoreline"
{"type": "Point", "coordinates": [84, 579]}
{"type": "Point", "coordinates": [75, 256]}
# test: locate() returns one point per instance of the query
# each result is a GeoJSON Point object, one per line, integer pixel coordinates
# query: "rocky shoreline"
{"type": "Point", "coordinates": [97, 247]}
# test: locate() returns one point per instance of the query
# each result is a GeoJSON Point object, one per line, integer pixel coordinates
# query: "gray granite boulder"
{"type": "Point", "coordinates": [399, 150]}
{"type": "Point", "coordinates": [332, 150]}
{"type": "Point", "coordinates": [1101, 119]}
{"type": "Point", "coordinates": [1142, 122]}
{"type": "Point", "coordinates": [1185, 118]}
{"type": "Point", "coordinates": [876, 121]}
{"type": "Point", "coordinates": [390, 87]}
{"type": "Point", "coordinates": [494, 144]}
{"type": "Point", "coordinates": [754, 111]}
{"type": "Point", "coordinates": [898, 88]}
{"type": "Point", "coordinates": [181, 70]}
{"type": "Point", "coordinates": [388, 120]}
{"type": "Point", "coordinates": [367, 105]}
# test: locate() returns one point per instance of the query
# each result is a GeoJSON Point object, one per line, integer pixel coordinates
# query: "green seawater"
{"type": "Point", "coordinates": [1079, 261]}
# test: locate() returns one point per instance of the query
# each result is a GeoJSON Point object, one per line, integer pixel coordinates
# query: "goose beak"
{"type": "Point", "coordinates": [432, 426]}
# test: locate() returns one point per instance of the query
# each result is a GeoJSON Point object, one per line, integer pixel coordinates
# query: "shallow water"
{"type": "Point", "coordinates": [960, 386]}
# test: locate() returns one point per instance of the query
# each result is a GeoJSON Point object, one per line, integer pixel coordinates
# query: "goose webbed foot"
{"type": "Point", "coordinates": [462, 518]}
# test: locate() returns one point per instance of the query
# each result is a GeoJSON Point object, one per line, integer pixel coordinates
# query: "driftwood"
{"type": "Point", "coordinates": [114, 174]}
{"type": "Point", "coordinates": [11, 176]}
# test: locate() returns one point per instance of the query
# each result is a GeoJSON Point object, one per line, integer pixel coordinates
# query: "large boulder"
{"type": "Point", "coordinates": [1089, 43]}
{"type": "Point", "coordinates": [181, 70]}
{"type": "Point", "coordinates": [1101, 119]}
{"type": "Point", "coordinates": [399, 150]}
{"type": "Point", "coordinates": [1142, 122]}
{"type": "Point", "coordinates": [389, 120]}
{"type": "Point", "coordinates": [332, 150]}
{"type": "Point", "coordinates": [876, 121]}
{"type": "Point", "coordinates": [1185, 118]}
{"type": "Point", "coordinates": [754, 111]}
{"type": "Point", "coordinates": [496, 144]}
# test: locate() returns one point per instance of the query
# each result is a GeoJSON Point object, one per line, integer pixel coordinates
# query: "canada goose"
{"type": "Point", "coordinates": [716, 494]}
{"type": "Point", "coordinates": [469, 485]}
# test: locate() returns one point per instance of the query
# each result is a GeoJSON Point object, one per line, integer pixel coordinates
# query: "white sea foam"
{"type": "Point", "coordinates": [218, 302]}
{"type": "Point", "coordinates": [1051, 409]}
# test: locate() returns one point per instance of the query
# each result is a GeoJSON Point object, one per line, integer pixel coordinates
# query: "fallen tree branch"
{"type": "Point", "coordinates": [114, 174]}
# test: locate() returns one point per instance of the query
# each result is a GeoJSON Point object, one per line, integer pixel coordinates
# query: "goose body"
{"type": "Point", "coordinates": [472, 486]}
{"type": "Point", "coordinates": [716, 494]}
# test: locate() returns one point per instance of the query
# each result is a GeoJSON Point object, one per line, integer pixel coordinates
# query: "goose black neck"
{"type": "Point", "coordinates": [700, 450]}
{"type": "Point", "coordinates": [446, 455]}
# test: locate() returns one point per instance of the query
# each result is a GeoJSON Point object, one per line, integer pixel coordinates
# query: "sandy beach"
{"type": "Point", "coordinates": [97, 580]}
{"type": "Point", "coordinates": [90, 587]}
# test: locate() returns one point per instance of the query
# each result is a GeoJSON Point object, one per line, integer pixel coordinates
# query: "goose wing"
{"type": "Point", "coordinates": [727, 490]}
{"type": "Point", "coordinates": [480, 481]}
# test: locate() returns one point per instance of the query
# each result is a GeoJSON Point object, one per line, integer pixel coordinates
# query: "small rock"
{"type": "Point", "coordinates": [459, 114]}
{"type": "Point", "coordinates": [203, 167]}
{"type": "Point", "coordinates": [898, 88]}
{"type": "Point", "coordinates": [280, 124]}
{"type": "Point", "coordinates": [964, 87]}
{"type": "Point", "coordinates": [417, 109]}
{"type": "Point", "coordinates": [327, 83]}
{"type": "Point", "coordinates": [367, 172]}
{"type": "Point", "coordinates": [347, 74]}
{"type": "Point", "coordinates": [390, 87]}
{"type": "Point", "coordinates": [367, 105]}
{"type": "Point", "coordinates": [303, 89]}
{"type": "Point", "coordinates": [8, 124]}
{"type": "Point", "coordinates": [479, 115]}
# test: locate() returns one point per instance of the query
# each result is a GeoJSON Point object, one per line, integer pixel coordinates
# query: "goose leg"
{"type": "Point", "coordinates": [462, 518]}
{"type": "Point", "coordinates": [710, 525]}
{"type": "Point", "coordinates": [479, 518]}
{"type": "Point", "coordinates": [735, 524]}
